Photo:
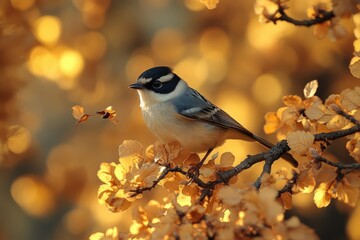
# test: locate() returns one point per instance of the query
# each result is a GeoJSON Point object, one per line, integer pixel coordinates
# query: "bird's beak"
{"type": "Point", "coordinates": [136, 86]}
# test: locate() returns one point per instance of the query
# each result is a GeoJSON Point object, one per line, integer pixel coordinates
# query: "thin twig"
{"type": "Point", "coordinates": [289, 185]}
{"type": "Point", "coordinates": [349, 117]}
{"type": "Point", "coordinates": [337, 134]}
{"type": "Point", "coordinates": [339, 165]}
{"type": "Point", "coordinates": [322, 17]}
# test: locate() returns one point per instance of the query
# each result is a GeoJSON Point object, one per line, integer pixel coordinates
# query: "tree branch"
{"type": "Point", "coordinates": [269, 157]}
{"type": "Point", "coordinates": [323, 16]}
{"type": "Point", "coordinates": [289, 185]}
{"type": "Point", "coordinates": [339, 165]}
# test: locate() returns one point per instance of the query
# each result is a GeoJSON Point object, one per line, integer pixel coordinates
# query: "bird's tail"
{"type": "Point", "coordinates": [287, 156]}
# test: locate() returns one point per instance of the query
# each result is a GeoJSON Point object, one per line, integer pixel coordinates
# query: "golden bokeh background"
{"type": "Point", "coordinates": [56, 54]}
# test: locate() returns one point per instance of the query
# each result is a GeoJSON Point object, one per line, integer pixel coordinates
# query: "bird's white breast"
{"type": "Point", "coordinates": [168, 126]}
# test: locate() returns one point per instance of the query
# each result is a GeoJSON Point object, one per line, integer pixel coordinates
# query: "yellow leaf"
{"type": "Point", "coordinates": [106, 173]}
{"type": "Point", "coordinates": [314, 113]}
{"type": "Point", "coordinates": [129, 148]}
{"type": "Point", "coordinates": [286, 200]}
{"type": "Point", "coordinates": [227, 159]}
{"type": "Point", "coordinates": [310, 88]}
{"type": "Point", "coordinates": [325, 173]}
{"type": "Point", "coordinates": [210, 4]}
{"type": "Point", "coordinates": [348, 194]}
{"type": "Point", "coordinates": [292, 100]}
{"type": "Point", "coordinates": [355, 66]}
{"type": "Point", "coordinates": [320, 30]}
{"type": "Point", "coordinates": [321, 197]}
{"type": "Point", "coordinates": [350, 98]}
{"type": "Point", "coordinates": [78, 111]}
{"type": "Point", "coordinates": [300, 141]}
{"type": "Point", "coordinates": [272, 122]}
{"type": "Point", "coordinates": [305, 181]}
{"type": "Point", "coordinates": [183, 200]}
{"type": "Point", "coordinates": [229, 195]}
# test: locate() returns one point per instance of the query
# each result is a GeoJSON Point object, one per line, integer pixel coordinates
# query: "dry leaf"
{"type": "Point", "coordinates": [322, 197]}
{"type": "Point", "coordinates": [300, 141]}
{"type": "Point", "coordinates": [229, 195]}
{"type": "Point", "coordinates": [109, 113]}
{"type": "Point", "coordinates": [78, 113]}
{"type": "Point", "coordinates": [292, 101]}
{"type": "Point", "coordinates": [355, 66]}
{"type": "Point", "coordinates": [272, 122]}
{"type": "Point", "coordinates": [310, 88]}
{"type": "Point", "coordinates": [227, 159]}
{"type": "Point", "coordinates": [210, 4]}
{"type": "Point", "coordinates": [314, 113]}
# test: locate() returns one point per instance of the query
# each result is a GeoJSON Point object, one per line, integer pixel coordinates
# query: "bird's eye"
{"type": "Point", "coordinates": [157, 84]}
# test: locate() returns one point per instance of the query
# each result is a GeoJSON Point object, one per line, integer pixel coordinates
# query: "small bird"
{"type": "Point", "coordinates": [173, 111]}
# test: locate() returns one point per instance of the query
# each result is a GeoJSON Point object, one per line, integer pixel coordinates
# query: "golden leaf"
{"type": "Point", "coordinates": [106, 173]}
{"type": "Point", "coordinates": [272, 122]}
{"type": "Point", "coordinates": [305, 181]}
{"type": "Point", "coordinates": [350, 98]}
{"type": "Point", "coordinates": [289, 115]}
{"type": "Point", "coordinates": [210, 4]}
{"type": "Point", "coordinates": [227, 159]}
{"type": "Point", "coordinates": [320, 30]}
{"type": "Point", "coordinates": [286, 200]}
{"type": "Point", "coordinates": [78, 113]}
{"type": "Point", "coordinates": [314, 113]}
{"type": "Point", "coordinates": [347, 194]}
{"type": "Point", "coordinates": [325, 173]}
{"type": "Point", "coordinates": [292, 101]}
{"type": "Point", "coordinates": [129, 148]}
{"type": "Point", "coordinates": [186, 231]}
{"type": "Point", "coordinates": [229, 195]}
{"type": "Point", "coordinates": [310, 88]}
{"type": "Point", "coordinates": [274, 211]}
{"type": "Point", "coordinates": [353, 146]}
{"type": "Point", "coordinates": [355, 66]}
{"type": "Point", "coordinates": [353, 179]}
{"type": "Point", "coordinates": [300, 141]}
{"type": "Point", "coordinates": [322, 197]}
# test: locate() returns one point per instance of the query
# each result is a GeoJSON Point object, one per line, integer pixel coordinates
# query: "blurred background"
{"type": "Point", "coordinates": [60, 53]}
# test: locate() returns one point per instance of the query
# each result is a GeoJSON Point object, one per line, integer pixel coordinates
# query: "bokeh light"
{"type": "Point", "coordinates": [136, 65]}
{"type": "Point", "coordinates": [261, 86]}
{"type": "Point", "coordinates": [47, 29]}
{"type": "Point", "coordinates": [43, 63]}
{"type": "Point", "coordinates": [192, 70]}
{"type": "Point", "coordinates": [71, 63]}
{"type": "Point", "coordinates": [92, 45]}
{"type": "Point", "coordinates": [22, 4]}
{"type": "Point", "coordinates": [265, 36]}
{"type": "Point", "coordinates": [19, 139]}
{"type": "Point", "coordinates": [194, 5]}
{"type": "Point", "coordinates": [168, 45]}
{"type": "Point", "coordinates": [33, 196]}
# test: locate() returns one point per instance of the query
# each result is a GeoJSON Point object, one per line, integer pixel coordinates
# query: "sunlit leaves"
{"type": "Point", "coordinates": [227, 210]}
{"type": "Point", "coordinates": [300, 141]}
{"type": "Point", "coordinates": [210, 4]}
{"type": "Point", "coordinates": [310, 88]}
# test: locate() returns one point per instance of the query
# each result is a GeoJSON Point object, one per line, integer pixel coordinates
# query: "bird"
{"type": "Point", "coordinates": [175, 112]}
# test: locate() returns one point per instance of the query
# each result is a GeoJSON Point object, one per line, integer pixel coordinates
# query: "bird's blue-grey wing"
{"type": "Point", "coordinates": [193, 105]}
